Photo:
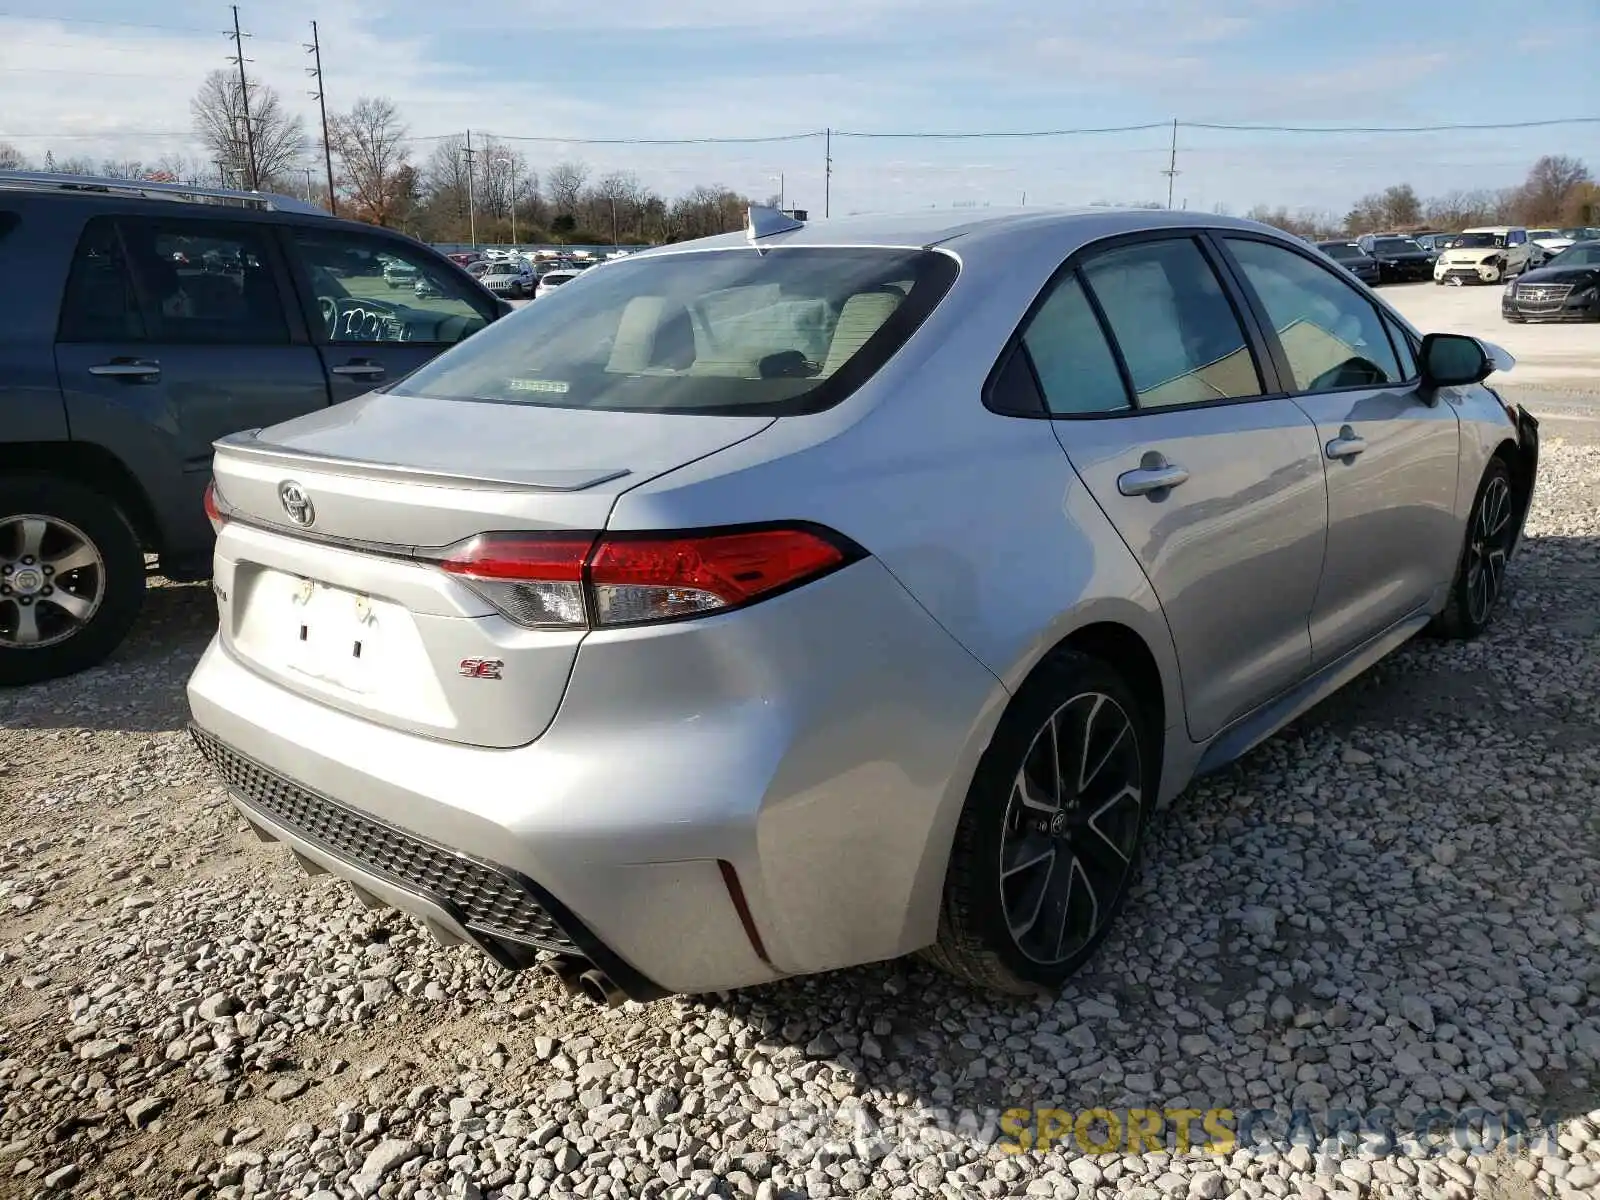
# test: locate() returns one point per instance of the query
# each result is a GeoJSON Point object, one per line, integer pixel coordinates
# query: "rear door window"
{"type": "Point", "coordinates": [206, 282]}
{"type": "Point", "coordinates": [1178, 333]}
{"type": "Point", "coordinates": [100, 304]}
{"type": "Point", "coordinates": [1077, 371]}
{"type": "Point", "coordinates": [742, 331]}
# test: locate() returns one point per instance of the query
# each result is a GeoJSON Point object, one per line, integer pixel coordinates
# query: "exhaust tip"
{"type": "Point", "coordinates": [567, 973]}
{"type": "Point", "coordinates": [597, 985]}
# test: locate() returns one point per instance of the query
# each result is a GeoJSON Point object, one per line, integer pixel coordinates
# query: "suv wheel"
{"type": "Point", "coordinates": [71, 578]}
{"type": "Point", "coordinates": [1048, 842]}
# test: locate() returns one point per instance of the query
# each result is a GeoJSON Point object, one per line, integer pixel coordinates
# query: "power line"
{"type": "Point", "coordinates": [1457, 128]}
{"type": "Point", "coordinates": [985, 135]}
{"type": "Point", "coordinates": [55, 20]}
{"type": "Point", "coordinates": [625, 141]}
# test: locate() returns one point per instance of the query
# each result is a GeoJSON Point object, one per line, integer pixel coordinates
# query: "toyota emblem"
{"type": "Point", "coordinates": [296, 504]}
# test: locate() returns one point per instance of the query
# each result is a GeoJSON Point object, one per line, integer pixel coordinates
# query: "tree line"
{"type": "Point", "coordinates": [1559, 191]}
{"type": "Point", "coordinates": [489, 192]}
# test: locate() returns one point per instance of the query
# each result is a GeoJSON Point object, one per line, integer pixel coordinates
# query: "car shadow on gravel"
{"type": "Point", "coordinates": [140, 688]}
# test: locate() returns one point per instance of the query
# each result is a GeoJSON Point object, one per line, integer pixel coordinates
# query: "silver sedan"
{"type": "Point", "coordinates": [819, 594]}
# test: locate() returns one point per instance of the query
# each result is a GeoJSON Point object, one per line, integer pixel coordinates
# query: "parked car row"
{"type": "Point", "coordinates": [1486, 254]}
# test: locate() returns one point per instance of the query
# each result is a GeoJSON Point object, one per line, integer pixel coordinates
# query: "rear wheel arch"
{"type": "Point", "coordinates": [91, 466]}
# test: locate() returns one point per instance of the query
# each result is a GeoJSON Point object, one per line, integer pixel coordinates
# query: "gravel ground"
{"type": "Point", "coordinates": [1391, 906]}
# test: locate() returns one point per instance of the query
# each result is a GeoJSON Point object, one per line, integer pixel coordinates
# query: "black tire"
{"type": "Point", "coordinates": [118, 581]}
{"type": "Point", "coordinates": [975, 941]}
{"type": "Point", "coordinates": [1486, 547]}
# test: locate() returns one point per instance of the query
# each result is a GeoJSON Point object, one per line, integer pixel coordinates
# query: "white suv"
{"type": "Point", "coordinates": [1487, 254]}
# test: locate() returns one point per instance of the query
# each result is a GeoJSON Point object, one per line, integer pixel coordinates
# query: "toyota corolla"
{"type": "Point", "coordinates": [815, 595]}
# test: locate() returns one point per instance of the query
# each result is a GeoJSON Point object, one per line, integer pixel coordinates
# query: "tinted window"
{"type": "Point", "coordinates": [371, 289]}
{"type": "Point", "coordinates": [787, 330]}
{"type": "Point", "coordinates": [205, 283]}
{"type": "Point", "coordinates": [1343, 250]}
{"type": "Point", "coordinates": [1395, 246]}
{"type": "Point", "coordinates": [1401, 340]}
{"type": "Point", "coordinates": [1330, 333]}
{"type": "Point", "coordinates": [1177, 332]}
{"type": "Point", "coordinates": [100, 304]}
{"type": "Point", "coordinates": [1069, 350]}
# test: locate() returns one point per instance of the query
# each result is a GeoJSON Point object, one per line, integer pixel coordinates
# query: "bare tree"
{"type": "Point", "coordinates": [564, 183]}
{"type": "Point", "coordinates": [370, 143]}
{"type": "Point", "coordinates": [122, 168]}
{"type": "Point", "coordinates": [76, 165]}
{"type": "Point", "coordinates": [218, 112]}
{"type": "Point", "coordinates": [11, 159]}
{"type": "Point", "coordinates": [1552, 182]}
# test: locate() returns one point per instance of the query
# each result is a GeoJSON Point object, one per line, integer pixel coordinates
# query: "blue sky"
{"type": "Point", "coordinates": [73, 83]}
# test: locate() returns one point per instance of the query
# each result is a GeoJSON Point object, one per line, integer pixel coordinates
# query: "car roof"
{"type": "Point", "coordinates": [1491, 229]}
{"type": "Point", "coordinates": [964, 230]}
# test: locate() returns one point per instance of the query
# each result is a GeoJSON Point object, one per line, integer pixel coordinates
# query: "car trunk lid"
{"type": "Point", "coordinates": [324, 577]}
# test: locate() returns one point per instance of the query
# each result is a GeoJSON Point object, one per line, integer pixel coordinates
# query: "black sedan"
{"type": "Point", "coordinates": [1567, 288]}
{"type": "Point", "coordinates": [1399, 258]}
{"type": "Point", "coordinates": [1352, 258]}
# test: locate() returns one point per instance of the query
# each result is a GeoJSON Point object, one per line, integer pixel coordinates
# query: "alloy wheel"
{"type": "Point", "coordinates": [52, 581]}
{"type": "Point", "coordinates": [1071, 828]}
{"type": "Point", "coordinates": [1486, 554]}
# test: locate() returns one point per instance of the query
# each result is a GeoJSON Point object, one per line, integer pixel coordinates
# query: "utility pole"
{"type": "Point", "coordinates": [472, 201]}
{"type": "Point", "coordinates": [309, 198]}
{"type": "Point", "coordinates": [315, 48]}
{"type": "Point", "coordinates": [244, 99]}
{"type": "Point", "coordinates": [827, 171]}
{"type": "Point", "coordinates": [1172, 171]}
{"type": "Point", "coordinates": [613, 222]}
{"type": "Point", "coordinates": [510, 163]}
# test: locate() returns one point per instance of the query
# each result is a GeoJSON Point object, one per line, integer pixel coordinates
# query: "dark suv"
{"type": "Point", "coordinates": [139, 323]}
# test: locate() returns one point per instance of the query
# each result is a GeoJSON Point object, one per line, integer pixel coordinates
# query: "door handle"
{"type": "Point", "coordinates": [1151, 476]}
{"type": "Point", "coordinates": [127, 368]}
{"type": "Point", "coordinates": [1347, 445]}
{"type": "Point", "coordinates": [360, 369]}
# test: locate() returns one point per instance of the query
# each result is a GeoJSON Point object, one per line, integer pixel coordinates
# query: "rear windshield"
{"type": "Point", "coordinates": [770, 332]}
{"type": "Point", "coordinates": [1343, 250]}
{"type": "Point", "coordinates": [1395, 245]}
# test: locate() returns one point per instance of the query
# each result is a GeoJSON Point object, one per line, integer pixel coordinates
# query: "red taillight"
{"type": "Point", "coordinates": [567, 581]}
{"type": "Point", "coordinates": [639, 579]}
{"type": "Point", "coordinates": [213, 510]}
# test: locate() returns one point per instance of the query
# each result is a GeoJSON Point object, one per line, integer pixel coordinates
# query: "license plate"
{"type": "Point", "coordinates": [334, 636]}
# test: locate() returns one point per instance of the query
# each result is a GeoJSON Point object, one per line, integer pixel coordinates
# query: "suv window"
{"type": "Point", "coordinates": [1179, 336]}
{"type": "Point", "coordinates": [100, 303]}
{"type": "Point", "coordinates": [1330, 333]}
{"type": "Point", "coordinates": [205, 282]}
{"type": "Point", "coordinates": [1076, 369]}
{"type": "Point", "coordinates": [372, 289]}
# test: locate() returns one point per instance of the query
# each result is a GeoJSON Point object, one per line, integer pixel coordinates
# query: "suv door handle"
{"type": "Point", "coordinates": [127, 368]}
{"type": "Point", "coordinates": [360, 368]}
{"type": "Point", "coordinates": [1155, 474]}
{"type": "Point", "coordinates": [1347, 445]}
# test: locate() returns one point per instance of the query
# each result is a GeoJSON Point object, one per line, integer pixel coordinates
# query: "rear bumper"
{"type": "Point", "coordinates": [717, 803]}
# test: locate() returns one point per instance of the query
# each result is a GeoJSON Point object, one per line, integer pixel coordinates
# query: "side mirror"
{"type": "Point", "coordinates": [1455, 360]}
